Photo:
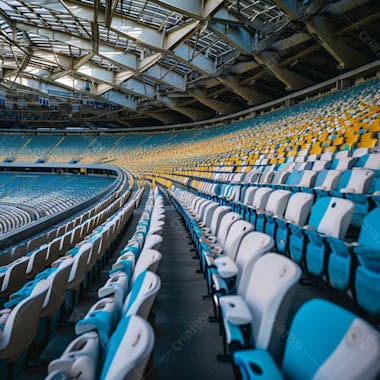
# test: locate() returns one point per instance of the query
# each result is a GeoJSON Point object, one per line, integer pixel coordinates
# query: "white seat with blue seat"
{"type": "Point", "coordinates": [128, 350]}
{"type": "Point", "coordinates": [369, 161]}
{"type": "Point", "coordinates": [228, 248]}
{"type": "Point", "coordinates": [142, 295]}
{"type": "Point", "coordinates": [343, 163]}
{"type": "Point", "coordinates": [324, 342]}
{"type": "Point", "coordinates": [258, 204]}
{"type": "Point", "coordinates": [328, 217]}
{"type": "Point", "coordinates": [326, 180]}
{"type": "Point", "coordinates": [275, 207]}
{"type": "Point", "coordinates": [78, 361]}
{"type": "Point", "coordinates": [211, 232]}
{"type": "Point", "coordinates": [125, 355]}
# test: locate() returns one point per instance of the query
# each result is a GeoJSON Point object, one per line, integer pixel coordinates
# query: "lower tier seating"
{"type": "Point", "coordinates": [256, 291]}
{"type": "Point", "coordinates": [114, 338]}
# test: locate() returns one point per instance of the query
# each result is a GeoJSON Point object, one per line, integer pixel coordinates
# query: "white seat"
{"type": "Point", "coordinates": [258, 301]}
{"type": "Point", "coordinates": [20, 324]}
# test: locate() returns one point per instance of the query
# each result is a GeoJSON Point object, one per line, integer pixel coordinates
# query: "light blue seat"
{"type": "Point", "coordinates": [366, 250]}
{"type": "Point", "coordinates": [329, 217]}
{"type": "Point", "coordinates": [325, 341]}
{"type": "Point", "coordinates": [367, 276]}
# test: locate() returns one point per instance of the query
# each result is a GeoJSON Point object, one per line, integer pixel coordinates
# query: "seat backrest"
{"type": "Point", "coordinates": [58, 283]}
{"type": "Point", "coordinates": [342, 154]}
{"type": "Point", "coordinates": [140, 299]}
{"type": "Point", "coordinates": [332, 216]}
{"type": "Point", "coordinates": [79, 360]}
{"type": "Point", "coordinates": [277, 202]}
{"type": "Point", "coordinates": [252, 176]}
{"type": "Point", "coordinates": [343, 163]}
{"type": "Point", "coordinates": [298, 208]}
{"type": "Point", "coordinates": [369, 161]}
{"type": "Point", "coordinates": [14, 277]}
{"type": "Point", "coordinates": [21, 325]}
{"type": "Point", "coordinates": [308, 178]}
{"type": "Point", "coordinates": [148, 260]}
{"type": "Point", "coordinates": [267, 175]}
{"type": "Point", "coordinates": [320, 165]}
{"type": "Point", "coordinates": [235, 234]}
{"type": "Point", "coordinates": [198, 204]}
{"type": "Point", "coordinates": [328, 179]}
{"type": "Point", "coordinates": [355, 181]}
{"type": "Point", "coordinates": [252, 246]}
{"type": "Point", "coordinates": [271, 278]}
{"type": "Point", "coordinates": [295, 178]}
{"type": "Point", "coordinates": [280, 177]}
{"type": "Point", "coordinates": [370, 231]}
{"type": "Point", "coordinates": [326, 341]}
{"type": "Point", "coordinates": [128, 350]}
{"type": "Point", "coordinates": [225, 225]}
{"type": "Point", "coordinates": [209, 212]}
{"type": "Point", "coordinates": [217, 217]}
{"type": "Point", "coordinates": [261, 198]}
{"type": "Point", "coordinates": [79, 267]}
{"type": "Point", "coordinates": [153, 242]}
{"type": "Point", "coordinates": [202, 209]}
{"type": "Point", "coordinates": [360, 152]}
{"type": "Point", "coordinates": [249, 195]}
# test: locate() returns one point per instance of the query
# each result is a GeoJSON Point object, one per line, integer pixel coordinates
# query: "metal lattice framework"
{"type": "Point", "coordinates": [143, 62]}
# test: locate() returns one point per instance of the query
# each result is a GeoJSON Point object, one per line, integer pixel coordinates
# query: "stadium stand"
{"type": "Point", "coordinates": [286, 202]}
{"type": "Point", "coordinates": [189, 190]}
{"type": "Point", "coordinates": [43, 194]}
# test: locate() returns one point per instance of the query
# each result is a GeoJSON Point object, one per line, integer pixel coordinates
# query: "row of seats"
{"type": "Point", "coordinates": [27, 259]}
{"type": "Point", "coordinates": [361, 185]}
{"type": "Point", "coordinates": [13, 217]}
{"type": "Point", "coordinates": [341, 121]}
{"type": "Point", "coordinates": [28, 197]}
{"type": "Point", "coordinates": [254, 291]}
{"type": "Point", "coordinates": [114, 338]}
{"type": "Point", "coordinates": [311, 232]}
{"type": "Point", "coordinates": [22, 248]}
{"type": "Point", "coordinates": [50, 297]}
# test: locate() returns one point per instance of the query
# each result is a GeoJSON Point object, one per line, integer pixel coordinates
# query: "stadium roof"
{"type": "Point", "coordinates": [150, 62]}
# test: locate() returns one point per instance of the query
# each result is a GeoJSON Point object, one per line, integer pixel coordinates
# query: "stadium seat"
{"type": "Point", "coordinates": [259, 297]}
{"type": "Point", "coordinates": [337, 338]}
